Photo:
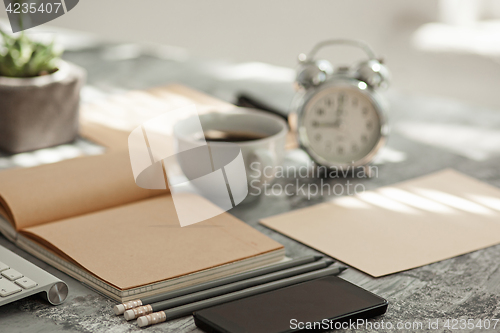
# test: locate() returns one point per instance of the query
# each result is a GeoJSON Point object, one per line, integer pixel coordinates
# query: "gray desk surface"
{"type": "Point", "coordinates": [428, 134]}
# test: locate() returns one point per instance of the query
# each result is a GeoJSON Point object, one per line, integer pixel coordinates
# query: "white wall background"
{"type": "Point", "coordinates": [273, 31]}
{"type": "Point", "coordinates": [276, 31]}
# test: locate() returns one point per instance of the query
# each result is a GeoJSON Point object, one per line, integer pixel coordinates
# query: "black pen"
{"type": "Point", "coordinates": [121, 308]}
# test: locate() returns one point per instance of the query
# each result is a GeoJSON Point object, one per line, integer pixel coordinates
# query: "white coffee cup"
{"type": "Point", "coordinates": [261, 154]}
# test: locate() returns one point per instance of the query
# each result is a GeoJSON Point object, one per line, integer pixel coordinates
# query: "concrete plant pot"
{"type": "Point", "coordinates": [40, 112]}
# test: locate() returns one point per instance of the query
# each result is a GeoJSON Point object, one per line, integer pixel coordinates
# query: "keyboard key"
{"type": "Point", "coordinates": [8, 288]}
{"type": "Point", "coordinates": [12, 274]}
{"type": "Point", "coordinates": [26, 283]}
{"type": "Point", "coordinates": [3, 266]}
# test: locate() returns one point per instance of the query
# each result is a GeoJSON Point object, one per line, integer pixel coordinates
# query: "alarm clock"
{"type": "Point", "coordinates": [337, 115]}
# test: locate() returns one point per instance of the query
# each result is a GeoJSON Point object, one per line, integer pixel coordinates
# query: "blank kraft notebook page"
{"type": "Point", "coordinates": [402, 226]}
{"type": "Point", "coordinates": [142, 242]}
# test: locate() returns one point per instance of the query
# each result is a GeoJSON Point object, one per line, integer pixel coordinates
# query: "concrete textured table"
{"type": "Point", "coordinates": [428, 134]}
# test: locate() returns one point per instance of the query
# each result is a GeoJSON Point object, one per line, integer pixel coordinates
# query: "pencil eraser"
{"type": "Point", "coordinates": [142, 321]}
{"type": "Point", "coordinates": [129, 315]}
{"type": "Point", "coordinates": [119, 309]}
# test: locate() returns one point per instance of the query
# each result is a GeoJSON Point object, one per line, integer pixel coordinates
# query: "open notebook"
{"type": "Point", "coordinates": [87, 217]}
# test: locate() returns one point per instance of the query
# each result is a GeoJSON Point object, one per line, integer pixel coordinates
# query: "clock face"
{"type": "Point", "coordinates": [341, 125]}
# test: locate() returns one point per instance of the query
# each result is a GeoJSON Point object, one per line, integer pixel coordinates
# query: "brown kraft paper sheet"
{"type": "Point", "coordinates": [401, 226]}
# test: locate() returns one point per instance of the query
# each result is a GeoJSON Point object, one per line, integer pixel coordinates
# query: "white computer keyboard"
{"type": "Point", "coordinates": [19, 278]}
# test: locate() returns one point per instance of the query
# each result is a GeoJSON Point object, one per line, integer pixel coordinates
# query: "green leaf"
{"type": "Point", "coordinates": [22, 57]}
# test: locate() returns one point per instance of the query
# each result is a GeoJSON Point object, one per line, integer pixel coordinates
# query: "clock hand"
{"type": "Point", "coordinates": [335, 124]}
{"type": "Point", "coordinates": [340, 108]}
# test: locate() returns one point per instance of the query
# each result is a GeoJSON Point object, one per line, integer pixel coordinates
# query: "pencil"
{"type": "Point", "coordinates": [161, 316]}
{"type": "Point", "coordinates": [227, 288]}
{"type": "Point", "coordinates": [121, 308]}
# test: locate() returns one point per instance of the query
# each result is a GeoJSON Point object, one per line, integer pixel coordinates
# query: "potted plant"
{"type": "Point", "coordinates": [39, 95]}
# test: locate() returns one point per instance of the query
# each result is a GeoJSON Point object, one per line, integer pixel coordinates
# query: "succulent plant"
{"type": "Point", "coordinates": [22, 57]}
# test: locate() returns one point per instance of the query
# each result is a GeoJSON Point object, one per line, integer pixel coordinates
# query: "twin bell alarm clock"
{"type": "Point", "coordinates": [337, 114]}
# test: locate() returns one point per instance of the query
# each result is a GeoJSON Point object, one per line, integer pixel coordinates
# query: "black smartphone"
{"type": "Point", "coordinates": [323, 304]}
